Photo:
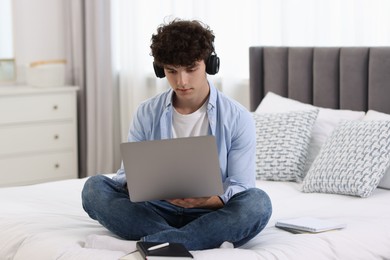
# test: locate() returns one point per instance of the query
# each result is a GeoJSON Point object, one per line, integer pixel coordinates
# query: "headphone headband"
{"type": "Point", "coordinates": [212, 66]}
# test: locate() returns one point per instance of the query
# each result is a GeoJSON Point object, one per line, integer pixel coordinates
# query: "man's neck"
{"type": "Point", "coordinates": [185, 107]}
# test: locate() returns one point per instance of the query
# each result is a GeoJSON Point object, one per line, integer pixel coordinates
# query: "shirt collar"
{"type": "Point", "coordinates": [213, 96]}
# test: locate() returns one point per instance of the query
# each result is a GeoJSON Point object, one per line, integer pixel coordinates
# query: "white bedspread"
{"type": "Point", "coordinates": [46, 221]}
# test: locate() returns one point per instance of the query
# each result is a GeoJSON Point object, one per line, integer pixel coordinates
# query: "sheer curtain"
{"type": "Point", "coordinates": [89, 66]}
{"type": "Point", "coordinates": [108, 52]}
{"type": "Point", "coordinates": [237, 25]}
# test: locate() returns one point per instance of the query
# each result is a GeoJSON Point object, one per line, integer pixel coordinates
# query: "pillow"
{"type": "Point", "coordinates": [375, 115]}
{"type": "Point", "coordinates": [327, 119]}
{"type": "Point", "coordinates": [352, 161]}
{"type": "Point", "coordinates": [282, 140]}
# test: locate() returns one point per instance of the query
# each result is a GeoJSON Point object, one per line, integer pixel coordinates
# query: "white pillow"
{"type": "Point", "coordinates": [375, 115]}
{"type": "Point", "coordinates": [352, 161]}
{"type": "Point", "coordinates": [282, 140]}
{"type": "Point", "coordinates": [327, 119]}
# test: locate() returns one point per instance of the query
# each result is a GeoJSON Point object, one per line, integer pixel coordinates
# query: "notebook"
{"type": "Point", "coordinates": [308, 224]}
{"type": "Point", "coordinates": [174, 251]}
{"type": "Point", "coordinates": [171, 251]}
{"type": "Point", "coordinates": [172, 168]}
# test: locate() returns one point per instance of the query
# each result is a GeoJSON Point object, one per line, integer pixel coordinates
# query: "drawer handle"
{"type": "Point", "coordinates": [55, 107]}
{"type": "Point", "coordinates": [56, 137]}
{"type": "Point", "coordinates": [57, 165]}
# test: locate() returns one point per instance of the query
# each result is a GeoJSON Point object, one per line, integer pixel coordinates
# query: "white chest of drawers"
{"type": "Point", "coordinates": [38, 134]}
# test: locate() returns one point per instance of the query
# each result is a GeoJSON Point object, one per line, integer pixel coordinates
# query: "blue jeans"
{"type": "Point", "coordinates": [241, 218]}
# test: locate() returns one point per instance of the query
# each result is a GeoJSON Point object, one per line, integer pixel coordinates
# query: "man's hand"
{"type": "Point", "coordinates": [213, 202]}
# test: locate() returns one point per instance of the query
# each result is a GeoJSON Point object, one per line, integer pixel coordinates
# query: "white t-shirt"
{"type": "Point", "coordinates": [194, 124]}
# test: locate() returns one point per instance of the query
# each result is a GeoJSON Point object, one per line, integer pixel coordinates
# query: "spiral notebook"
{"type": "Point", "coordinates": [309, 225]}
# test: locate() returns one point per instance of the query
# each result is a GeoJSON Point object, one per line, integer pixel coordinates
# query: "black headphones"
{"type": "Point", "coordinates": [212, 66]}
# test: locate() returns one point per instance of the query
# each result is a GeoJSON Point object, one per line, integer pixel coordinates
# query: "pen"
{"type": "Point", "coordinates": [158, 246]}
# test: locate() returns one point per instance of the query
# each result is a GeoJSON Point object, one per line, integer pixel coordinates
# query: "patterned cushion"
{"type": "Point", "coordinates": [375, 115]}
{"type": "Point", "coordinates": [282, 143]}
{"type": "Point", "coordinates": [352, 161]}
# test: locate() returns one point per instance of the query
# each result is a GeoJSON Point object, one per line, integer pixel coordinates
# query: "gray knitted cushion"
{"type": "Point", "coordinates": [352, 161]}
{"type": "Point", "coordinates": [282, 144]}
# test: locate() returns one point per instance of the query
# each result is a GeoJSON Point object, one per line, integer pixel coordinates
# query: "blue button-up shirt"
{"type": "Point", "coordinates": [230, 123]}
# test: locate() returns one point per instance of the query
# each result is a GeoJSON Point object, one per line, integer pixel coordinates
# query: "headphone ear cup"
{"type": "Point", "coordinates": [212, 64]}
{"type": "Point", "coordinates": [159, 71]}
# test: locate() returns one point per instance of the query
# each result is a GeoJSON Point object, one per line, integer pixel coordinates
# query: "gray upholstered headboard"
{"type": "Point", "coordinates": [355, 78]}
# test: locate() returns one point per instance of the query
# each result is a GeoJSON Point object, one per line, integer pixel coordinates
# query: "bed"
{"type": "Point", "coordinates": [328, 92]}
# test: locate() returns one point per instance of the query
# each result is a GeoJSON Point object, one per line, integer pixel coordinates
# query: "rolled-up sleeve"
{"type": "Point", "coordinates": [239, 173]}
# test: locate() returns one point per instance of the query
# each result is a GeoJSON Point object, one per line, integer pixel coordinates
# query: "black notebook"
{"type": "Point", "coordinates": [173, 251]}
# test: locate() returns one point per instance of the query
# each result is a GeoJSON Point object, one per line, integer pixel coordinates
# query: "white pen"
{"type": "Point", "coordinates": [158, 246]}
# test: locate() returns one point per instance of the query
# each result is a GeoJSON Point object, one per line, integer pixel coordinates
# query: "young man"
{"type": "Point", "coordinates": [183, 51]}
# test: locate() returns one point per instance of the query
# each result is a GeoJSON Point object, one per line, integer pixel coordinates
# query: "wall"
{"type": "Point", "coordinates": [38, 32]}
{"type": "Point", "coordinates": [39, 35]}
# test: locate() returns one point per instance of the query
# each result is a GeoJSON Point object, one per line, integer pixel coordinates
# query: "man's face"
{"type": "Point", "coordinates": [188, 82]}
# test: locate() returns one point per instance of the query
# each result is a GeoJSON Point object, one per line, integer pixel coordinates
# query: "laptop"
{"type": "Point", "coordinates": [172, 168]}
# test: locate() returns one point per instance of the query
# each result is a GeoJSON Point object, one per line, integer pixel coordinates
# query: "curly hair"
{"type": "Point", "coordinates": [182, 43]}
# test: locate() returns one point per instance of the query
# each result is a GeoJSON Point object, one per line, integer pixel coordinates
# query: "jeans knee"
{"type": "Point", "coordinates": [90, 190]}
{"type": "Point", "coordinates": [253, 210]}
{"type": "Point", "coordinates": [259, 203]}
{"type": "Point", "coordinates": [90, 185]}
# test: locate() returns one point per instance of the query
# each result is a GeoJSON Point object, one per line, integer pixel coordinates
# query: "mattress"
{"type": "Point", "coordinates": [47, 221]}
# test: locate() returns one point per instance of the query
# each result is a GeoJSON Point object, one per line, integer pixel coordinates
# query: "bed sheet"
{"type": "Point", "coordinates": [46, 221]}
{"type": "Point", "coordinates": [367, 235]}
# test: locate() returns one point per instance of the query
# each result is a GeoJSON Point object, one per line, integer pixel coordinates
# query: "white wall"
{"type": "Point", "coordinates": [38, 32]}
